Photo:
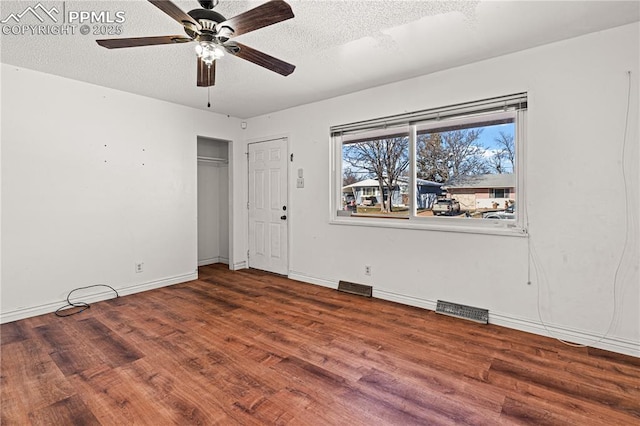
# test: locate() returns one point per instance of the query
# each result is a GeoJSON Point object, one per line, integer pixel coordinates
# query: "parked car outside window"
{"type": "Point", "coordinates": [369, 200]}
{"type": "Point", "coordinates": [508, 213]}
{"type": "Point", "coordinates": [446, 206]}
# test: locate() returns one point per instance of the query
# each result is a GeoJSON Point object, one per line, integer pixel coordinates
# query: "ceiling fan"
{"type": "Point", "coordinates": [213, 32]}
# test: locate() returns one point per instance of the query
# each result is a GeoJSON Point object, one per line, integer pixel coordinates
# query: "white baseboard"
{"type": "Point", "coordinates": [239, 265]}
{"type": "Point", "coordinates": [32, 311]}
{"type": "Point", "coordinates": [405, 300]}
{"type": "Point", "coordinates": [312, 280]}
{"type": "Point", "coordinates": [609, 343]}
{"type": "Point", "coordinates": [208, 261]}
{"type": "Point", "coordinates": [212, 260]}
{"type": "Point", "coordinates": [583, 337]}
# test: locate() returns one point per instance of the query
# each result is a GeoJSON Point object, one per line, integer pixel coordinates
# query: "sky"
{"type": "Point", "coordinates": [491, 132]}
{"type": "Point", "coordinates": [488, 136]}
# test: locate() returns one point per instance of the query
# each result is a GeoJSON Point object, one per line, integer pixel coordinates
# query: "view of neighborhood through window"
{"type": "Point", "coordinates": [463, 169]}
{"type": "Point", "coordinates": [376, 176]}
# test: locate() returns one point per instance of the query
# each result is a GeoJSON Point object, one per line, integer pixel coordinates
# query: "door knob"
{"type": "Point", "coordinates": [283, 217]}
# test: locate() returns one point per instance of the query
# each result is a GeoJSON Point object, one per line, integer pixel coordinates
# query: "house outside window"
{"type": "Point", "coordinates": [486, 192]}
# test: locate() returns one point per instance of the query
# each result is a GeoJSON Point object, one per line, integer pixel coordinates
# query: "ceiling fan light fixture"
{"type": "Point", "coordinates": [208, 52]}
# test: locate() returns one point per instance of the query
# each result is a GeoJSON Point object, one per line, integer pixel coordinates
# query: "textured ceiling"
{"type": "Point", "coordinates": [338, 46]}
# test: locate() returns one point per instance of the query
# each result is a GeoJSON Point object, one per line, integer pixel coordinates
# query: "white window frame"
{"type": "Point", "coordinates": [471, 112]}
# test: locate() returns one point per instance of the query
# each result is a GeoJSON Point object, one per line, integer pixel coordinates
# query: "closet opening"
{"type": "Point", "coordinates": [213, 201]}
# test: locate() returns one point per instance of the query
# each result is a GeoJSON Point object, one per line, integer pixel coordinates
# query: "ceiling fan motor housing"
{"type": "Point", "coordinates": [207, 19]}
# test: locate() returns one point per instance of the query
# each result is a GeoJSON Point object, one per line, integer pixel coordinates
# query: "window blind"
{"type": "Point", "coordinates": [512, 102]}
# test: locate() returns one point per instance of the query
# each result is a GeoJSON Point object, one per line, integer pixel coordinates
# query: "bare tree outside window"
{"type": "Point", "coordinates": [466, 153]}
{"type": "Point", "coordinates": [503, 160]}
{"type": "Point", "coordinates": [385, 159]}
{"type": "Point", "coordinates": [449, 155]}
{"type": "Point", "coordinates": [432, 160]}
{"type": "Point", "coordinates": [349, 177]}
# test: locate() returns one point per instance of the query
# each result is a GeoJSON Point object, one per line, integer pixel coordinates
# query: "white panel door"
{"type": "Point", "coordinates": [268, 213]}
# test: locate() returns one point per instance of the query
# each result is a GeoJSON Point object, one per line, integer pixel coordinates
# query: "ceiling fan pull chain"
{"type": "Point", "coordinates": [209, 97]}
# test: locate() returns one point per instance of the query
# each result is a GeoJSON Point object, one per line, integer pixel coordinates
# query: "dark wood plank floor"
{"type": "Point", "coordinates": [252, 348]}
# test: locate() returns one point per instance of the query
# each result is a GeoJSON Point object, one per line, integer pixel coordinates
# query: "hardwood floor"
{"type": "Point", "coordinates": [252, 348]}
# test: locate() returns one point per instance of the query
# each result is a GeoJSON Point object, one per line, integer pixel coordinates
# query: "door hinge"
{"type": "Point", "coordinates": [247, 206]}
{"type": "Point", "coordinates": [291, 157]}
{"type": "Point", "coordinates": [247, 254]}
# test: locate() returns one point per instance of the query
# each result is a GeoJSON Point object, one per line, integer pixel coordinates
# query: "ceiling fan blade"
{"type": "Point", "coordinates": [259, 58]}
{"type": "Point", "coordinates": [116, 43]}
{"type": "Point", "coordinates": [206, 74]}
{"type": "Point", "coordinates": [176, 13]}
{"type": "Point", "coordinates": [262, 16]}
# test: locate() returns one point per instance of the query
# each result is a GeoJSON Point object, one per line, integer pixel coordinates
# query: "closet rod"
{"type": "Point", "coordinates": [212, 159]}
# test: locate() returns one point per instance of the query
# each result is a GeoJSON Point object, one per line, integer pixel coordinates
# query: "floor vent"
{"type": "Point", "coordinates": [353, 288]}
{"type": "Point", "coordinates": [478, 315]}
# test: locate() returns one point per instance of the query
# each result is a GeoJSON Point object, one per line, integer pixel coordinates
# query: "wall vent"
{"type": "Point", "coordinates": [478, 315]}
{"type": "Point", "coordinates": [353, 288]}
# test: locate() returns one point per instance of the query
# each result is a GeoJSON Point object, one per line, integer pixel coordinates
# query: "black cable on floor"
{"type": "Point", "coordinates": [83, 305]}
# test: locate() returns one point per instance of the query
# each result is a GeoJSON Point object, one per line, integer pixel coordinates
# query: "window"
{"type": "Point", "coordinates": [375, 174]}
{"type": "Point", "coordinates": [499, 193]}
{"type": "Point", "coordinates": [455, 167]}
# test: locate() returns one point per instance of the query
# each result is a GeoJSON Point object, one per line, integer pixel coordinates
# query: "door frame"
{"type": "Point", "coordinates": [230, 189]}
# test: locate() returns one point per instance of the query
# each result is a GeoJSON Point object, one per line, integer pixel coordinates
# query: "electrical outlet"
{"type": "Point", "coordinates": [367, 270]}
{"type": "Point", "coordinates": [139, 267]}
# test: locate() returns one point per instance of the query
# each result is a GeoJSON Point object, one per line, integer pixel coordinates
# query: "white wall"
{"type": "Point", "coordinates": [93, 181]}
{"type": "Point", "coordinates": [208, 213]}
{"type": "Point", "coordinates": [577, 104]}
{"type": "Point", "coordinates": [223, 214]}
